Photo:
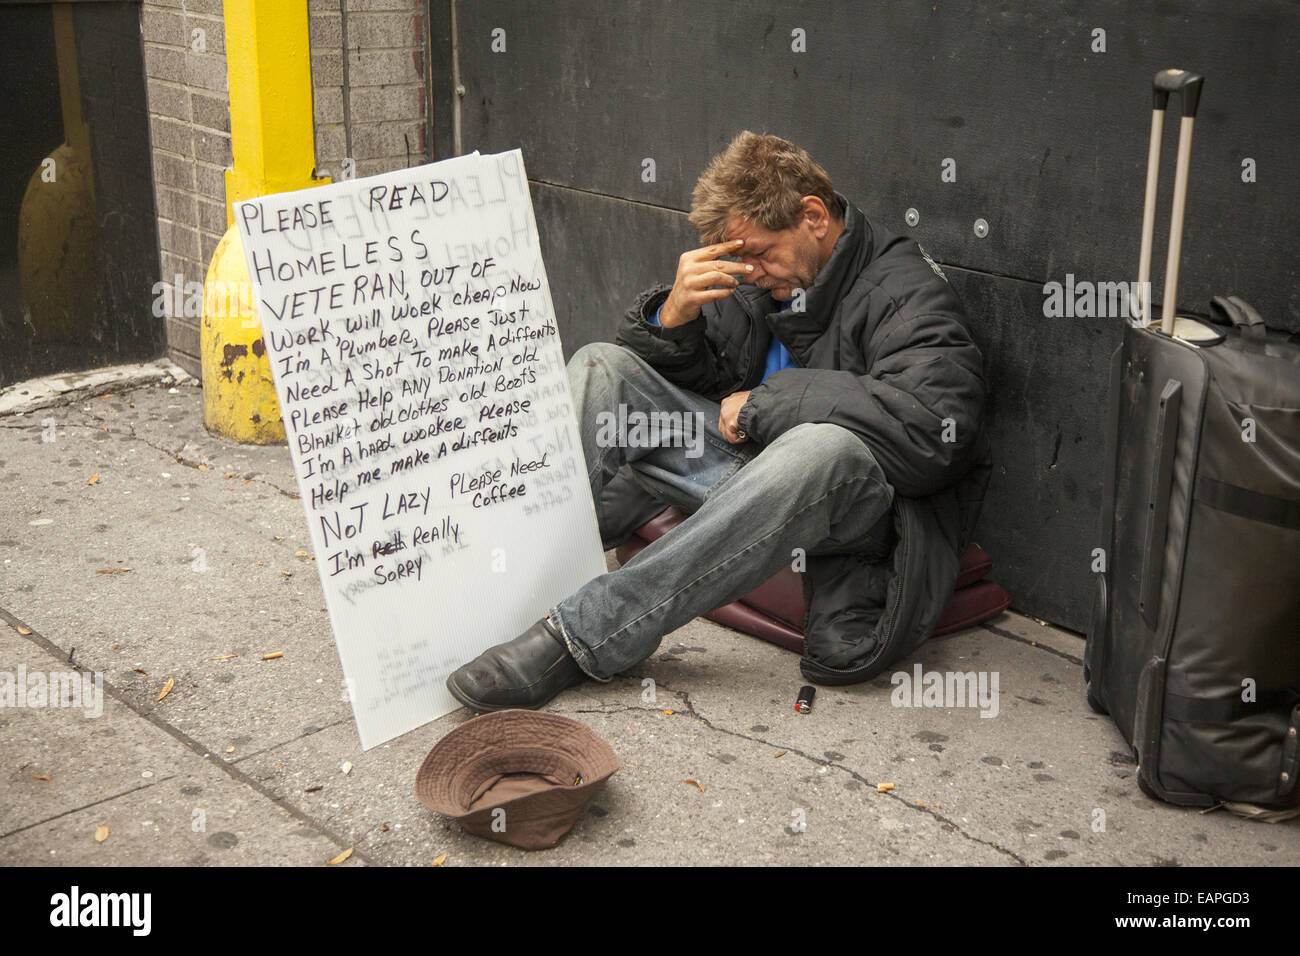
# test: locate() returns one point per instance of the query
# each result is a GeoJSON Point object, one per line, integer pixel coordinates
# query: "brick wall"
{"type": "Point", "coordinates": [383, 69]}
{"type": "Point", "coordinates": [189, 123]}
{"type": "Point", "coordinates": [370, 105]}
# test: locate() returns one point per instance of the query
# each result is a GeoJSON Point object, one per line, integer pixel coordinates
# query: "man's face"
{"type": "Point", "coordinates": [783, 261]}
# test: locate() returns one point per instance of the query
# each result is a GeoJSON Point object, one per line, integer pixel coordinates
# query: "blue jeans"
{"type": "Point", "coordinates": [817, 488]}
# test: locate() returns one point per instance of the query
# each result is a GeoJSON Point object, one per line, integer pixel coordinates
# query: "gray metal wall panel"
{"type": "Point", "coordinates": [599, 253]}
{"type": "Point", "coordinates": [1049, 137]}
{"type": "Point", "coordinates": [1050, 144]}
{"type": "Point", "coordinates": [1047, 386]}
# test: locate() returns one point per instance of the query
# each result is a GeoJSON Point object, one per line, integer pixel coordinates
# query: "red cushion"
{"type": "Point", "coordinates": [774, 611]}
{"type": "Point", "coordinates": [975, 564]}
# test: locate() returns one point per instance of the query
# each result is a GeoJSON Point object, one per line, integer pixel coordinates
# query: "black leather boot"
{"type": "Point", "coordinates": [526, 672]}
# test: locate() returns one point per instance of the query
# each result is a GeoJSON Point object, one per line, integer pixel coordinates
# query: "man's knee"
{"type": "Point", "coordinates": [828, 439]}
{"type": "Point", "coordinates": [829, 448]}
{"type": "Point", "coordinates": [596, 355]}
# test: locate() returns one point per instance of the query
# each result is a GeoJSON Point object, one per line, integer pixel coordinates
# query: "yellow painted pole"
{"type": "Point", "coordinates": [75, 133]}
{"type": "Point", "coordinates": [268, 64]}
{"type": "Point", "coordinates": [58, 261]}
{"type": "Point", "coordinates": [268, 60]}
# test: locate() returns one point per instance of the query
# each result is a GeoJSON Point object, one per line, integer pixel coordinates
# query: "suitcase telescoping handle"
{"type": "Point", "coordinates": [1188, 86]}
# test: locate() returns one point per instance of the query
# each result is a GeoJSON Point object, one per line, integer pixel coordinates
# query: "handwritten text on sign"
{"type": "Point", "coordinates": [408, 321]}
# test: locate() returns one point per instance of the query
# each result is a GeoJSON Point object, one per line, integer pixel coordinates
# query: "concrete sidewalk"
{"type": "Point", "coordinates": [242, 761]}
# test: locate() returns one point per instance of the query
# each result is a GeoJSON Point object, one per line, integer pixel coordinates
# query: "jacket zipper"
{"type": "Point", "coordinates": [753, 335]}
{"type": "Point", "coordinates": [756, 358]}
{"type": "Point", "coordinates": [892, 612]}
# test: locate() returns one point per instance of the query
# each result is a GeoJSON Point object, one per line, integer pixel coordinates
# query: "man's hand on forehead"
{"type": "Point", "coordinates": [702, 276]}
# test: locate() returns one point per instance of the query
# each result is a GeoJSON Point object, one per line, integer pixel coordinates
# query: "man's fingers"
{"type": "Point", "coordinates": [730, 278]}
{"type": "Point", "coordinates": [717, 277]}
{"type": "Point", "coordinates": [724, 248]}
{"type": "Point", "coordinates": [726, 265]}
{"type": "Point", "coordinates": [731, 432]}
{"type": "Point", "coordinates": [702, 277]}
{"type": "Point", "coordinates": [721, 265]}
{"type": "Point", "coordinates": [709, 282]}
{"type": "Point", "coordinates": [717, 249]}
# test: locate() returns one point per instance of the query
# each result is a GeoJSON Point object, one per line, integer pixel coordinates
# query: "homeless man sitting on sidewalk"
{"type": "Point", "coordinates": [842, 403]}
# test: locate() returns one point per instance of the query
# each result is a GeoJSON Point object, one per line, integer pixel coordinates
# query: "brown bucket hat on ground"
{"type": "Point", "coordinates": [539, 768]}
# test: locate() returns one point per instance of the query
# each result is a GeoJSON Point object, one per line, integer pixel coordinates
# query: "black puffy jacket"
{"type": "Point", "coordinates": [883, 350]}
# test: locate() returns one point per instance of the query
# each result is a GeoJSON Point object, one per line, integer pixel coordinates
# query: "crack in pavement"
{"type": "Point", "coordinates": [87, 806]}
{"type": "Point", "coordinates": [128, 431]}
{"type": "Point", "coordinates": [690, 709]}
{"type": "Point", "coordinates": [190, 743]}
{"type": "Point", "coordinates": [1038, 645]}
{"type": "Point", "coordinates": [291, 740]}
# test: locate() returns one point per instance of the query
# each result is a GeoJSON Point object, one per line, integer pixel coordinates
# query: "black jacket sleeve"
{"type": "Point", "coordinates": [684, 354]}
{"type": "Point", "coordinates": [919, 410]}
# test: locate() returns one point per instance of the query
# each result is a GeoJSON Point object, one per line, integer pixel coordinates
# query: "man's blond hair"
{"type": "Point", "coordinates": [761, 178]}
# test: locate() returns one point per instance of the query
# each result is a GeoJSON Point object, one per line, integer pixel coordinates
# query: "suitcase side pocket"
{"type": "Point", "coordinates": [1095, 656]}
{"type": "Point", "coordinates": [1171, 401]}
{"type": "Point", "coordinates": [1147, 720]}
{"type": "Point", "coordinates": [1286, 777]}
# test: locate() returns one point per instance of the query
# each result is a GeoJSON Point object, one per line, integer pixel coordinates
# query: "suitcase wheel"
{"type": "Point", "coordinates": [1100, 620]}
{"type": "Point", "coordinates": [1146, 787]}
{"type": "Point", "coordinates": [1142, 780]}
{"type": "Point", "coordinates": [1094, 701]}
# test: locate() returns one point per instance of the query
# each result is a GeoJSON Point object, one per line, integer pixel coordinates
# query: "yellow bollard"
{"type": "Point", "coordinates": [58, 259]}
{"type": "Point", "coordinates": [239, 399]}
{"type": "Point", "coordinates": [272, 145]}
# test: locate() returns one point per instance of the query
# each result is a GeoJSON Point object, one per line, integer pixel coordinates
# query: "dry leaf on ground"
{"type": "Point", "coordinates": [41, 776]}
{"type": "Point", "coordinates": [167, 688]}
{"type": "Point", "coordinates": [781, 753]}
{"type": "Point", "coordinates": [101, 833]}
{"type": "Point", "coordinates": [438, 861]}
{"type": "Point", "coordinates": [94, 479]}
{"type": "Point", "coordinates": [341, 857]}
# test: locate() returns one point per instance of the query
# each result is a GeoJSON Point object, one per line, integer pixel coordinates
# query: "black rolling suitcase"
{"type": "Point", "coordinates": [1194, 645]}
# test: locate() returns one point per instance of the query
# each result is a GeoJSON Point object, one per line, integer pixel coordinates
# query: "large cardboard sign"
{"type": "Point", "coordinates": [409, 325]}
